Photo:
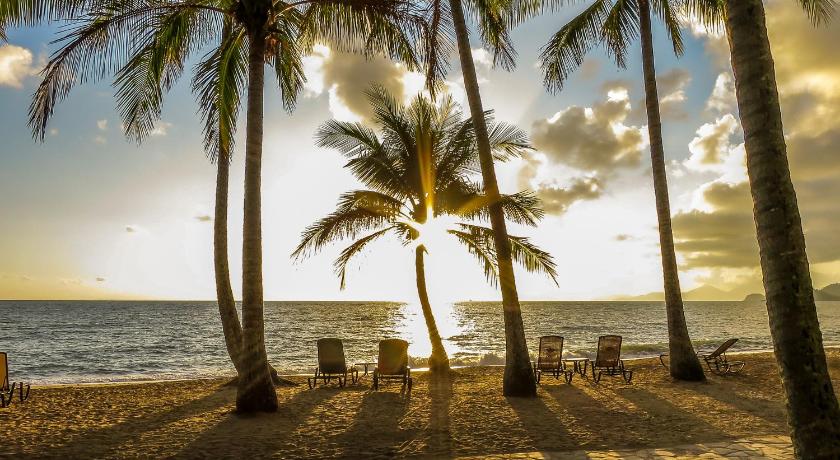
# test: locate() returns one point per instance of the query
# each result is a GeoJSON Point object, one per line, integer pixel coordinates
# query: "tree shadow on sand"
{"type": "Point", "coordinates": [108, 440]}
{"type": "Point", "coordinates": [375, 430]}
{"type": "Point", "coordinates": [241, 436]}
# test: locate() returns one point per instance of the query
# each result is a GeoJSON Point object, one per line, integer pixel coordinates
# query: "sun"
{"type": "Point", "coordinates": [434, 232]}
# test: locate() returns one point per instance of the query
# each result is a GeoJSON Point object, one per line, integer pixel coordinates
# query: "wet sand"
{"type": "Point", "coordinates": [463, 414]}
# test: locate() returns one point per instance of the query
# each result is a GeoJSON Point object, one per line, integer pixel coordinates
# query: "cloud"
{"type": "Point", "coordinates": [593, 139]}
{"type": "Point", "coordinates": [722, 98]}
{"type": "Point", "coordinates": [101, 140]}
{"type": "Point", "coordinates": [346, 77]}
{"type": "Point", "coordinates": [102, 125]}
{"type": "Point", "coordinates": [204, 218]}
{"type": "Point", "coordinates": [671, 86]}
{"type": "Point", "coordinates": [719, 233]}
{"type": "Point", "coordinates": [132, 229]}
{"type": "Point", "coordinates": [100, 279]}
{"type": "Point", "coordinates": [723, 236]}
{"type": "Point", "coordinates": [161, 129]}
{"type": "Point", "coordinates": [15, 65]}
{"type": "Point", "coordinates": [624, 237]}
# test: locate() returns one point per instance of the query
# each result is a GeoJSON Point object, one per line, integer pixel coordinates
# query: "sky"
{"type": "Point", "coordinates": [89, 215]}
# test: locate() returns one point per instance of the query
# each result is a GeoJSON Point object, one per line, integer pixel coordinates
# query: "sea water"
{"type": "Point", "coordinates": [106, 341]}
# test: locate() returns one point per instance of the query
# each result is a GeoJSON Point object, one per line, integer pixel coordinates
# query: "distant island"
{"type": "Point", "coordinates": [830, 293]}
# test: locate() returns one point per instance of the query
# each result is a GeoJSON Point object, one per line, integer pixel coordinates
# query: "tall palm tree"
{"type": "Point", "coordinates": [813, 412]}
{"type": "Point", "coordinates": [615, 24]}
{"type": "Point", "coordinates": [447, 30]}
{"type": "Point", "coordinates": [418, 172]}
{"type": "Point", "coordinates": [147, 42]}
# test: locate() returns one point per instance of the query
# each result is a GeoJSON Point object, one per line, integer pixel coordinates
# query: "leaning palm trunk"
{"type": "Point", "coordinates": [438, 361]}
{"type": "Point", "coordinates": [255, 391]}
{"type": "Point", "coordinates": [684, 363]}
{"type": "Point", "coordinates": [518, 377]}
{"type": "Point", "coordinates": [224, 293]}
{"type": "Point", "coordinates": [813, 413]}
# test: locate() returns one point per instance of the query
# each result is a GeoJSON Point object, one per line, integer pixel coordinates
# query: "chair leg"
{"type": "Point", "coordinates": [569, 375]}
{"type": "Point", "coordinates": [375, 380]}
{"type": "Point", "coordinates": [409, 383]}
{"type": "Point", "coordinates": [3, 400]}
{"type": "Point", "coordinates": [598, 378]}
{"type": "Point", "coordinates": [628, 375]}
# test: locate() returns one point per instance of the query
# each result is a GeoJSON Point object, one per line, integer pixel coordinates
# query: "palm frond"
{"type": "Point", "coordinates": [621, 27]}
{"type": "Point", "coordinates": [524, 208]}
{"type": "Point", "coordinates": [523, 252]}
{"type": "Point", "coordinates": [484, 253]}
{"type": "Point", "coordinates": [99, 45]}
{"type": "Point", "coordinates": [819, 11]}
{"type": "Point", "coordinates": [142, 82]}
{"type": "Point", "coordinates": [492, 23]}
{"type": "Point", "coordinates": [567, 48]}
{"type": "Point", "coordinates": [673, 25]}
{"type": "Point", "coordinates": [343, 260]}
{"type": "Point", "coordinates": [219, 81]}
{"type": "Point", "coordinates": [286, 60]}
{"type": "Point", "coordinates": [357, 212]}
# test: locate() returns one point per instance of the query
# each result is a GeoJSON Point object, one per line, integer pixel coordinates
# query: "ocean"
{"type": "Point", "coordinates": [105, 341]}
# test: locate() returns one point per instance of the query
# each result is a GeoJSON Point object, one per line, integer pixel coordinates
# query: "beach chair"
{"type": "Point", "coordinates": [608, 359]}
{"type": "Point", "coordinates": [550, 359]}
{"type": "Point", "coordinates": [7, 389]}
{"type": "Point", "coordinates": [393, 363]}
{"type": "Point", "coordinates": [332, 364]}
{"type": "Point", "coordinates": [718, 362]}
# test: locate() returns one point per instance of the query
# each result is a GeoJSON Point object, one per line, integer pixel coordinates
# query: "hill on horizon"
{"type": "Point", "coordinates": [707, 292]}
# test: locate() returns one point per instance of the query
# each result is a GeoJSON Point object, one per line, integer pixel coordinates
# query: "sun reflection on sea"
{"type": "Point", "coordinates": [412, 328]}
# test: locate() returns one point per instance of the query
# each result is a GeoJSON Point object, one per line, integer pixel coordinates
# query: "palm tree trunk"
{"type": "Point", "coordinates": [684, 363]}
{"type": "Point", "coordinates": [813, 413]}
{"type": "Point", "coordinates": [518, 377]}
{"type": "Point", "coordinates": [438, 361]}
{"type": "Point", "coordinates": [255, 391]}
{"type": "Point", "coordinates": [224, 293]}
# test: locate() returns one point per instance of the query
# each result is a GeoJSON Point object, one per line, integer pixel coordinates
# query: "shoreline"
{"type": "Point", "coordinates": [231, 374]}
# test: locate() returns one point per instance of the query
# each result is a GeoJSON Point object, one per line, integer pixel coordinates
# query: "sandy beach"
{"type": "Point", "coordinates": [460, 415]}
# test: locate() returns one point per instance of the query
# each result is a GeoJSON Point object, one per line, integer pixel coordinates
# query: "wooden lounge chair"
{"type": "Point", "coordinates": [717, 361]}
{"type": "Point", "coordinates": [550, 359]}
{"type": "Point", "coordinates": [608, 359]}
{"type": "Point", "coordinates": [332, 364]}
{"type": "Point", "coordinates": [7, 390]}
{"type": "Point", "coordinates": [392, 363]}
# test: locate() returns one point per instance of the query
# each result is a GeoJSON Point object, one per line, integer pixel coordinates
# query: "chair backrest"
{"type": "Point", "coordinates": [722, 349]}
{"type": "Point", "coordinates": [393, 357]}
{"type": "Point", "coordinates": [609, 351]}
{"type": "Point", "coordinates": [551, 352]}
{"type": "Point", "coordinates": [331, 356]}
{"type": "Point", "coordinates": [4, 372]}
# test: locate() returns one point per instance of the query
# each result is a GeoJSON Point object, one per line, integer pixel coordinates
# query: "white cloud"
{"type": "Point", "coordinates": [102, 125]}
{"type": "Point", "coordinates": [161, 129]}
{"type": "Point", "coordinates": [16, 64]}
{"type": "Point", "coordinates": [101, 140]}
{"type": "Point", "coordinates": [712, 150]}
{"type": "Point", "coordinates": [722, 98]}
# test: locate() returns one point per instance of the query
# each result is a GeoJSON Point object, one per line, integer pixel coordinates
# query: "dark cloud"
{"type": "Point", "coordinates": [204, 218]}
{"type": "Point", "coordinates": [591, 139]}
{"type": "Point", "coordinates": [350, 75]}
{"type": "Point", "coordinates": [130, 229]}
{"type": "Point", "coordinates": [557, 199]}
{"type": "Point", "coordinates": [100, 279]}
{"type": "Point", "coordinates": [624, 237]}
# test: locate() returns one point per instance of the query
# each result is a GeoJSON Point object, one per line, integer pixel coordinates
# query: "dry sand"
{"type": "Point", "coordinates": [463, 414]}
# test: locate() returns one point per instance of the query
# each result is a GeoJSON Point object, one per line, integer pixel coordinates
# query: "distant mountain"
{"type": "Point", "coordinates": [754, 298]}
{"type": "Point", "coordinates": [829, 293]}
{"type": "Point", "coordinates": [832, 290]}
{"type": "Point", "coordinates": [704, 292]}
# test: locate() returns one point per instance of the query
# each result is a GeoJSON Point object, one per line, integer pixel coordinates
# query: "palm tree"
{"type": "Point", "coordinates": [615, 24]}
{"type": "Point", "coordinates": [147, 42]}
{"type": "Point", "coordinates": [491, 18]}
{"type": "Point", "coordinates": [813, 412]}
{"type": "Point", "coordinates": [417, 171]}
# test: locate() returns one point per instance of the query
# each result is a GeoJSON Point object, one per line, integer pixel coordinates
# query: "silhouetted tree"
{"type": "Point", "coordinates": [417, 170]}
